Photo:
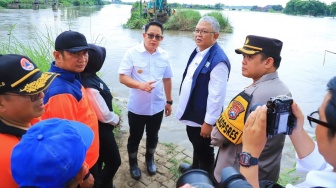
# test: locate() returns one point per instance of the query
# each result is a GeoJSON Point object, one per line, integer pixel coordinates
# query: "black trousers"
{"type": "Point", "coordinates": [108, 154]}
{"type": "Point", "coordinates": [201, 147]}
{"type": "Point", "coordinates": [137, 124]}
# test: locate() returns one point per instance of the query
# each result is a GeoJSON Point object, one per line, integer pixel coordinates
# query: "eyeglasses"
{"type": "Point", "coordinates": [202, 32]}
{"type": "Point", "coordinates": [157, 37]}
{"type": "Point", "coordinates": [33, 97]}
{"type": "Point", "coordinates": [314, 119]}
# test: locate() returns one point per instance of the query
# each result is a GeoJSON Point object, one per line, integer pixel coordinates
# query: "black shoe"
{"type": "Point", "coordinates": [133, 163]}
{"type": "Point", "coordinates": [135, 172]}
{"type": "Point", "coordinates": [150, 163]}
{"type": "Point", "coordinates": [184, 167]}
{"type": "Point", "coordinates": [151, 167]}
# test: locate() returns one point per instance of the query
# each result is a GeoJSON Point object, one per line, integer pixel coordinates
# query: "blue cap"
{"type": "Point", "coordinates": [51, 153]}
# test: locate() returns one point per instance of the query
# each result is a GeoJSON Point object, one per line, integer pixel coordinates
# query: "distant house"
{"type": "Point", "coordinates": [187, 5]}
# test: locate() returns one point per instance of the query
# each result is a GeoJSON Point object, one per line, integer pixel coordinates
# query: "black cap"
{"type": "Point", "coordinates": [18, 74]}
{"type": "Point", "coordinates": [71, 41]}
{"type": "Point", "coordinates": [256, 44]}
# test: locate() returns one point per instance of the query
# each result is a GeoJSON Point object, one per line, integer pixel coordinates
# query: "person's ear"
{"type": "Point", "coordinates": [269, 62]}
{"type": "Point", "coordinates": [216, 35]}
{"type": "Point", "coordinates": [57, 55]}
{"type": "Point", "coordinates": [79, 177]}
{"type": "Point", "coordinates": [2, 105]}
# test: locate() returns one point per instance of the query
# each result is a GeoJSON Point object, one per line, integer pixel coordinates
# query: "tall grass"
{"type": "Point", "coordinates": [223, 21]}
{"type": "Point", "coordinates": [183, 20]}
{"type": "Point", "coordinates": [39, 48]}
{"type": "Point", "coordinates": [136, 21]}
{"type": "Point", "coordinates": [186, 20]}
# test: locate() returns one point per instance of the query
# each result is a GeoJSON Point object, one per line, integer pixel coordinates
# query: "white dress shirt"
{"type": "Point", "coordinates": [142, 66]}
{"type": "Point", "coordinates": [320, 173]}
{"type": "Point", "coordinates": [216, 88]}
{"type": "Point", "coordinates": [99, 106]}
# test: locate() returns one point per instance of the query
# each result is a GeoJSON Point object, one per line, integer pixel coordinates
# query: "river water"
{"type": "Point", "coordinates": [302, 69]}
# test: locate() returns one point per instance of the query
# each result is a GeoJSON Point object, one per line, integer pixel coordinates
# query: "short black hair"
{"type": "Point", "coordinates": [277, 60]}
{"type": "Point", "coordinates": [330, 108]}
{"type": "Point", "coordinates": [153, 23]}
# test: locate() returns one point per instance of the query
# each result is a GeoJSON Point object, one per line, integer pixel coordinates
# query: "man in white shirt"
{"type": "Point", "coordinates": [202, 92]}
{"type": "Point", "coordinates": [146, 69]}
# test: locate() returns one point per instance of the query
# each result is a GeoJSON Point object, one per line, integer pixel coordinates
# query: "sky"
{"type": "Point", "coordinates": [235, 2]}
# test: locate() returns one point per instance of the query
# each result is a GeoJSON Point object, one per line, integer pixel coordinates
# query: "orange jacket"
{"type": "Point", "coordinates": [9, 137]}
{"type": "Point", "coordinates": [66, 98]}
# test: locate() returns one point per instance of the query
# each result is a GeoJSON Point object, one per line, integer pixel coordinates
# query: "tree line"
{"type": "Point", "coordinates": [311, 8]}
{"type": "Point", "coordinates": [301, 7]}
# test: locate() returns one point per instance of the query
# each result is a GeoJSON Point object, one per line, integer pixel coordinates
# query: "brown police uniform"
{"type": "Point", "coordinates": [227, 134]}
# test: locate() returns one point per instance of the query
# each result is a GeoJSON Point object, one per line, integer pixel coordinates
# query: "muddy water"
{"type": "Point", "coordinates": [305, 41]}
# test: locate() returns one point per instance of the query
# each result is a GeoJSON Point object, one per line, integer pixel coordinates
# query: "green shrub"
{"type": "Point", "coordinates": [183, 20]}
{"type": "Point", "coordinates": [186, 20]}
{"type": "Point", "coordinates": [136, 21]}
{"type": "Point", "coordinates": [3, 3]}
{"type": "Point", "coordinates": [223, 21]}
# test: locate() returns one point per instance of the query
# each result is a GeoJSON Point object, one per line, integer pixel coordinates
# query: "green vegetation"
{"type": "Point", "coordinates": [171, 150]}
{"type": "Point", "coordinates": [186, 20]}
{"type": "Point", "coordinates": [333, 9]}
{"type": "Point", "coordinates": [268, 8]}
{"type": "Point", "coordinates": [38, 49]}
{"type": "Point", "coordinates": [136, 21]}
{"type": "Point", "coordinates": [183, 20]}
{"type": "Point", "coordinates": [223, 21]}
{"type": "Point", "coordinates": [288, 177]}
{"type": "Point", "coordinates": [311, 8]}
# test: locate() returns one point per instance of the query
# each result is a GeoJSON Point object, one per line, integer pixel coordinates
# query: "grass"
{"type": "Point", "coordinates": [186, 20]}
{"type": "Point", "coordinates": [38, 48]}
{"type": "Point", "coordinates": [288, 177]}
{"type": "Point", "coordinates": [171, 150]}
{"type": "Point", "coordinates": [117, 131]}
{"type": "Point", "coordinates": [136, 21]}
{"type": "Point", "coordinates": [183, 20]}
{"type": "Point", "coordinates": [223, 21]}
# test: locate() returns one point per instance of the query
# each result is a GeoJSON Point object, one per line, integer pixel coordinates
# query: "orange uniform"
{"type": "Point", "coordinates": [9, 137]}
{"type": "Point", "coordinates": [66, 98]}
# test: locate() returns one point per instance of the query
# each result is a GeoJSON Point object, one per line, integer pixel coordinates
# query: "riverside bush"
{"type": "Point", "coordinates": [183, 20]}
{"type": "Point", "coordinates": [186, 20]}
{"type": "Point", "coordinates": [223, 21]}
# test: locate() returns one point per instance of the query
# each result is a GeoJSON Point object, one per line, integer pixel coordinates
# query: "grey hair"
{"type": "Point", "coordinates": [212, 21]}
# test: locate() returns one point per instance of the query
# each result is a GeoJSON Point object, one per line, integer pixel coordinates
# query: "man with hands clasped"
{"type": "Point", "coordinates": [318, 159]}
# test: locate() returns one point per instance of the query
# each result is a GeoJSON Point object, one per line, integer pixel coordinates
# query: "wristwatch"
{"type": "Point", "coordinates": [170, 102]}
{"type": "Point", "coordinates": [246, 159]}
